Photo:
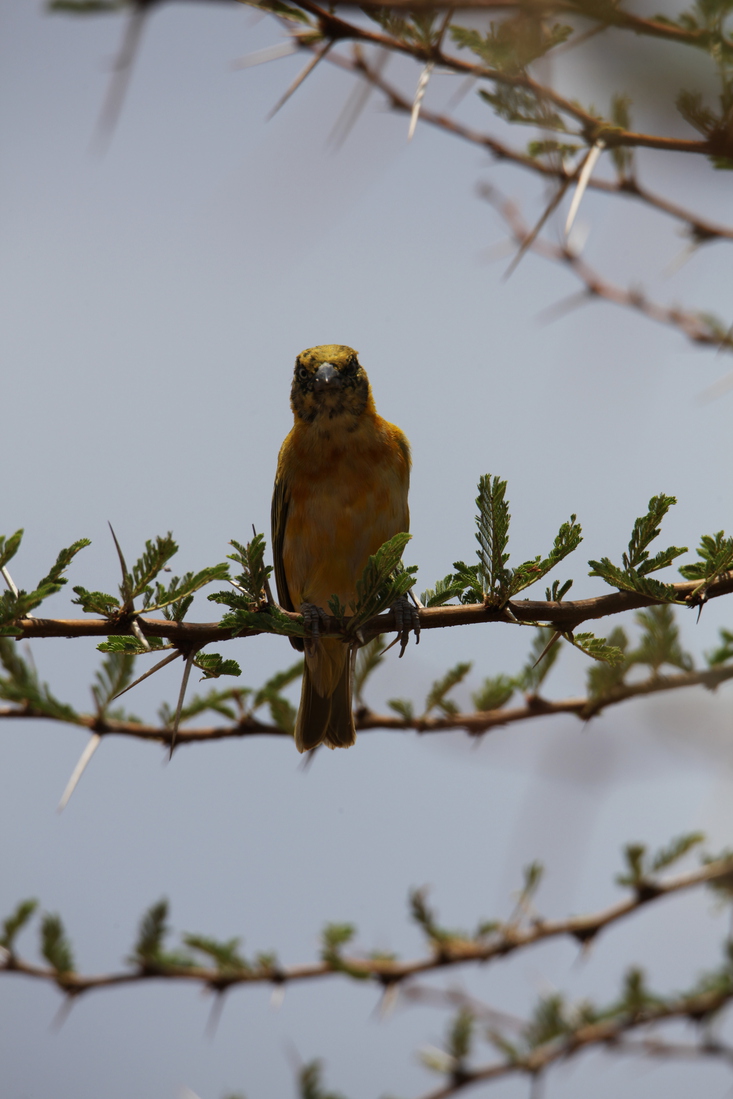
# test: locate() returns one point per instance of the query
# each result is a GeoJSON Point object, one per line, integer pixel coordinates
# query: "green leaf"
{"type": "Point", "coordinates": [368, 659]}
{"type": "Point", "coordinates": [96, 602]}
{"type": "Point", "coordinates": [114, 674]}
{"type": "Point", "coordinates": [549, 1021]}
{"type": "Point", "coordinates": [622, 156]}
{"type": "Point", "coordinates": [148, 950]}
{"type": "Point", "coordinates": [716, 557]}
{"type": "Point", "coordinates": [646, 529]}
{"type": "Point", "coordinates": [595, 647]}
{"type": "Point", "coordinates": [637, 563]}
{"type": "Point", "coordinates": [567, 539]}
{"type": "Point", "coordinates": [460, 1035]}
{"type": "Point", "coordinates": [383, 581]}
{"type": "Point", "coordinates": [403, 708]}
{"type": "Point", "coordinates": [55, 945]}
{"type": "Point", "coordinates": [448, 588]}
{"type": "Point", "coordinates": [253, 578]}
{"type": "Point", "coordinates": [660, 641]}
{"type": "Point", "coordinates": [512, 44]}
{"type": "Point", "coordinates": [437, 695]}
{"type": "Point", "coordinates": [603, 678]}
{"type": "Point", "coordinates": [129, 644]}
{"type": "Point", "coordinates": [9, 547]}
{"type": "Point", "coordinates": [675, 850]}
{"type": "Point", "coordinates": [226, 955]}
{"type": "Point", "coordinates": [494, 693]}
{"type": "Point", "coordinates": [153, 559]}
{"type": "Point", "coordinates": [153, 929]}
{"type": "Point", "coordinates": [309, 1083]}
{"type": "Point", "coordinates": [12, 607]}
{"type": "Point", "coordinates": [558, 591]}
{"type": "Point", "coordinates": [535, 671]}
{"type": "Point", "coordinates": [15, 923]}
{"type": "Point", "coordinates": [86, 7]}
{"type": "Point", "coordinates": [213, 665]}
{"type": "Point", "coordinates": [21, 685]}
{"type": "Point", "coordinates": [636, 865]}
{"type": "Point", "coordinates": [277, 7]}
{"type": "Point", "coordinates": [176, 597]}
{"type": "Point", "coordinates": [724, 651]}
{"type": "Point", "coordinates": [279, 680]}
{"type": "Point", "coordinates": [268, 620]}
{"type": "Point", "coordinates": [493, 536]}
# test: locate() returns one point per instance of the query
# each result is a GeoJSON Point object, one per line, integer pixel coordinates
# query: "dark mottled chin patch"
{"type": "Point", "coordinates": [349, 401]}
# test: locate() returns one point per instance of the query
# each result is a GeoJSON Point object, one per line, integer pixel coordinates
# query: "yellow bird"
{"type": "Point", "coordinates": [343, 475]}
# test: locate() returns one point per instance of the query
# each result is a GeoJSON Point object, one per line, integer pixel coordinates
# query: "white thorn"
{"type": "Point", "coordinates": [277, 996]}
{"type": "Point", "coordinates": [419, 96]}
{"type": "Point", "coordinates": [86, 755]}
{"type": "Point", "coordinates": [9, 581]}
{"type": "Point", "coordinates": [135, 627]}
{"type": "Point", "coordinates": [583, 179]}
{"type": "Point", "coordinates": [181, 696]}
{"type": "Point", "coordinates": [270, 53]}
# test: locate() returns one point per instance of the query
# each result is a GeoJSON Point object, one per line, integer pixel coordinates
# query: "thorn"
{"type": "Point", "coordinates": [217, 1007]}
{"type": "Point", "coordinates": [9, 581]}
{"type": "Point", "coordinates": [270, 53]}
{"type": "Point", "coordinates": [529, 239]}
{"type": "Point", "coordinates": [92, 744]}
{"type": "Point", "coordinates": [461, 92]}
{"type": "Point", "coordinates": [566, 305]}
{"type": "Point", "coordinates": [63, 1012]}
{"type": "Point", "coordinates": [388, 1000]}
{"type": "Point", "coordinates": [158, 666]}
{"type": "Point", "coordinates": [277, 996]}
{"type": "Point", "coordinates": [181, 696]}
{"type": "Point", "coordinates": [358, 97]}
{"type": "Point", "coordinates": [555, 637]}
{"type": "Point", "coordinates": [128, 605]}
{"type": "Point", "coordinates": [135, 627]}
{"type": "Point", "coordinates": [300, 78]}
{"type": "Point", "coordinates": [422, 85]}
{"type": "Point", "coordinates": [120, 79]}
{"type": "Point", "coordinates": [717, 389]}
{"type": "Point", "coordinates": [586, 172]}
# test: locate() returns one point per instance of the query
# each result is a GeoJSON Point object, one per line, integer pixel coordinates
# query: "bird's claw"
{"type": "Point", "coordinates": [313, 618]}
{"type": "Point", "coordinates": [407, 620]}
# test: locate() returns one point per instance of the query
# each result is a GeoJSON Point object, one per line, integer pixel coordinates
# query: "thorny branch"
{"type": "Point", "coordinates": [475, 723]}
{"type": "Point", "coordinates": [567, 615]}
{"type": "Point", "coordinates": [447, 950]}
{"type": "Point", "coordinates": [696, 326]}
{"type": "Point", "coordinates": [698, 228]}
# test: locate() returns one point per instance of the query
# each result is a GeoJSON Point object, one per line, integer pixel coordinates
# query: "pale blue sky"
{"type": "Point", "coordinates": [153, 302]}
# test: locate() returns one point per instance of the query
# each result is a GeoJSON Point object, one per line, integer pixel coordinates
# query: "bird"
{"type": "Point", "coordinates": [343, 475]}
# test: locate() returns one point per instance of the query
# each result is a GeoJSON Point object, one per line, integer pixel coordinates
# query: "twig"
{"type": "Point", "coordinates": [451, 951]}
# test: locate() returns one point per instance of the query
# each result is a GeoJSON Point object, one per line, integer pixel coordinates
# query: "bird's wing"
{"type": "Point", "coordinates": [280, 502]}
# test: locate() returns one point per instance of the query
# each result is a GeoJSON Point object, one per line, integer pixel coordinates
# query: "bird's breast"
{"type": "Point", "coordinates": [347, 494]}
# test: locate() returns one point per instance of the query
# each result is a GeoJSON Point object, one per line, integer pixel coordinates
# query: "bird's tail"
{"type": "Point", "coordinates": [325, 715]}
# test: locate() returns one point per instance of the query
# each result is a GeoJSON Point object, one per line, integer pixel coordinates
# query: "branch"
{"type": "Point", "coordinates": [699, 228]}
{"type": "Point", "coordinates": [565, 616]}
{"type": "Point", "coordinates": [696, 326]}
{"type": "Point", "coordinates": [447, 949]}
{"type": "Point", "coordinates": [475, 723]}
{"type": "Point", "coordinates": [606, 1034]}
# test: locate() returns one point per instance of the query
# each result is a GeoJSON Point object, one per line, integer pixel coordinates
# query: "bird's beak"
{"type": "Point", "coordinates": [326, 377]}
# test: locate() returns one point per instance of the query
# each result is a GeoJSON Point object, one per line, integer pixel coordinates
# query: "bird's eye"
{"type": "Point", "coordinates": [302, 373]}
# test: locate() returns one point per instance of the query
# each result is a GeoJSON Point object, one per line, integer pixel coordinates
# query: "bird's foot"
{"type": "Point", "coordinates": [313, 618]}
{"type": "Point", "coordinates": [407, 620]}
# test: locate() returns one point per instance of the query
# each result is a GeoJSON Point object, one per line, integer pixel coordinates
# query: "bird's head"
{"type": "Point", "coordinates": [329, 382]}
